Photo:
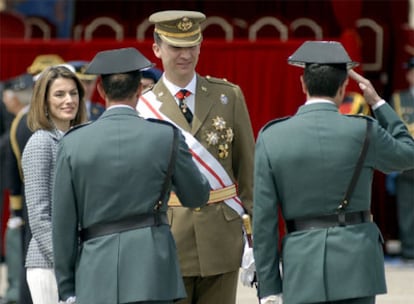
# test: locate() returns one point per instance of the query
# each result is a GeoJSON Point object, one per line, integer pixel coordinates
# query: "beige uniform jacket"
{"type": "Point", "coordinates": [210, 239]}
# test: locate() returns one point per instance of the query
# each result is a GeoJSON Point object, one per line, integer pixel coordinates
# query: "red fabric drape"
{"type": "Point", "coordinates": [271, 86]}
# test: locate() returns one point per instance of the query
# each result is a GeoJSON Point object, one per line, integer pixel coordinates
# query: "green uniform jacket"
{"type": "Point", "coordinates": [304, 165]}
{"type": "Point", "coordinates": [108, 170]}
{"type": "Point", "coordinates": [210, 240]}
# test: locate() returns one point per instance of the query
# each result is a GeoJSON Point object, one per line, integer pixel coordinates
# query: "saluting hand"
{"type": "Point", "coordinates": [370, 94]}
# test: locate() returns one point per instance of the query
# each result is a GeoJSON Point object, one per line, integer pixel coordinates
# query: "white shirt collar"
{"type": "Point", "coordinates": [191, 86]}
{"type": "Point", "coordinates": [120, 106]}
{"type": "Point", "coordinates": [318, 100]}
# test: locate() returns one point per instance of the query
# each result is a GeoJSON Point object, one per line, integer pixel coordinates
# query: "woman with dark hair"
{"type": "Point", "coordinates": [57, 104]}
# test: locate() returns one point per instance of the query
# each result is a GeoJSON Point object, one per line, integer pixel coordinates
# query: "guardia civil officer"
{"type": "Point", "coordinates": [308, 167]}
{"type": "Point", "coordinates": [403, 103]}
{"type": "Point", "coordinates": [212, 113]}
{"type": "Point", "coordinates": [113, 180]}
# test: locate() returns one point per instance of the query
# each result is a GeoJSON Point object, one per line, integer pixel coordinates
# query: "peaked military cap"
{"type": "Point", "coordinates": [179, 28]}
{"type": "Point", "coordinates": [19, 83]}
{"type": "Point", "coordinates": [409, 64]}
{"type": "Point", "coordinates": [152, 73]}
{"type": "Point", "coordinates": [80, 67]}
{"type": "Point", "coordinates": [118, 61]}
{"type": "Point", "coordinates": [321, 52]}
{"type": "Point", "coordinates": [41, 62]}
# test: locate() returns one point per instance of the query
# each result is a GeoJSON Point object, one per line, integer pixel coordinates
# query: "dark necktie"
{"type": "Point", "coordinates": [181, 96]}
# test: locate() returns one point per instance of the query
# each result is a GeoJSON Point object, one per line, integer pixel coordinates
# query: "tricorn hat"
{"type": "Point", "coordinates": [179, 28]}
{"type": "Point", "coordinates": [80, 67]}
{"type": "Point", "coordinates": [321, 52]}
{"type": "Point", "coordinates": [117, 61]}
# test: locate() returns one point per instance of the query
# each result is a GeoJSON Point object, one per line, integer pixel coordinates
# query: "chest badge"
{"type": "Point", "coordinates": [220, 136]}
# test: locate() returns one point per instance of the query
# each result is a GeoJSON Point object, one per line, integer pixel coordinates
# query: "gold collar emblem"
{"type": "Point", "coordinates": [185, 24]}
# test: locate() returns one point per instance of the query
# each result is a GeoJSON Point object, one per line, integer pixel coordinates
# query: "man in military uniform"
{"type": "Point", "coordinates": [403, 104]}
{"type": "Point", "coordinates": [94, 109]}
{"type": "Point", "coordinates": [150, 77]}
{"type": "Point", "coordinates": [309, 167]}
{"type": "Point", "coordinates": [17, 96]}
{"type": "Point", "coordinates": [113, 179]}
{"type": "Point", "coordinates": [5, 121]}
{"type": "Point", "coordinates": [213, 115]}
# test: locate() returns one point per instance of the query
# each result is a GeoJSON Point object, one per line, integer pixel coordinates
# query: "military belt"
{"type": "Point", "coordinates": [122, 225]}
{"type": "Point", "coordinates": [216, 196]}
{"type": "Point", "coordinates": [327, 221]}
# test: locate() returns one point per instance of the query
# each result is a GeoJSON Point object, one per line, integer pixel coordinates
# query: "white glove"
{"type": "Point", "coordinates": [248, 267]}
{"type": "Point", "coordinates": [273, 299]}
{"type": "Point", "coordinates": [70, 300]}
{"type": "Point", "coordinates": [14, 222]}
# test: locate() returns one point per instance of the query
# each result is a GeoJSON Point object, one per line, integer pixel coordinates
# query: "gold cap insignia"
{"type": "Point", "coordinates": [184, 24]}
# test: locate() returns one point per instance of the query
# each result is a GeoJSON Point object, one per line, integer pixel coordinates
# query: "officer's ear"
{"type": "Point", "coordinates": [304, 87]}
{"type": "Point", "coordinates": [101, 90]}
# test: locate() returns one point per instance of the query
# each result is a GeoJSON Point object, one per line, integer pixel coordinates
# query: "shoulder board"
{"type": "Point", "coordinates": [147, 90]}
{"type": "Point", "coordinates": [219, 80]}
{"type": "Point", "coordinates": [272, 122]}
{"type": "Point", "coordinates": [78, 127]}
{"type": "Point", "coordinates": [361, 116]}
{"type": "Point", "coordinates": [161, 122]}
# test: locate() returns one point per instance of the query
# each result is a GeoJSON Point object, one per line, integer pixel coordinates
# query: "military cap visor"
{"type": "Point", "coordinates": [19, 83]}
{"type": "Point", "coordinates": [321, 52]}
{"type": "Point", "coordinates": [118, 61]}
{"type": "Point", "coordinates": [178, 28]}
{"type": "Point", "coordinates": [80, 68]}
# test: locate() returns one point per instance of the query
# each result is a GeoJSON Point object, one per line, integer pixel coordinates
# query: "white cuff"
{"type": "Point", "coordinates": [272, 299]}
{"type": "Point", "coordinates": [378, 104]}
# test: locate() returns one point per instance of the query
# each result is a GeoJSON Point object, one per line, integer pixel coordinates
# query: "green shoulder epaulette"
{"type": "Point", "coordinates": [78, 127]}
{"type": "Point", "coordinates": [219, 81]}
{"type": "Point", "coordinates": [272, 122]}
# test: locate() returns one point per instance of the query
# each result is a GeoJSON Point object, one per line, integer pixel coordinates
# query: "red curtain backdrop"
{"type": "Point", "coordinates": [271, 86]}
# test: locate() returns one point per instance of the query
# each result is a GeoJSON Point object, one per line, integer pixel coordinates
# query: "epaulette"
{"type": "Point", "coordinates": [78, 127]}
{"type": "Point", "coordinates": [361, 116]}
{"type": "Point", "coordinates": [219, 81]}
{"type": "Point", "coordinates": [147, 90]}
{"type": "Point", "coordinates": [161, 122]}
{"type": "Point", "coordinates": [272, 122]}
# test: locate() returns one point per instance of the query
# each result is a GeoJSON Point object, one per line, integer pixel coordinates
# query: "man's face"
{"type": "Point", "coordinates": [410, 77]}
{"type": "Point", "coordinates": [147, 83]}
{"type": "Point", "coordinates": [89, 86]}
{"type": "Point", "coordinates": [178, 62]}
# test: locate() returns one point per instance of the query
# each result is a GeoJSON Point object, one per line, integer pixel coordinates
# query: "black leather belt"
{"type": "Point", "coordinates": [326, 221]}
{"type": "Point", "coordinates": [130, 223]}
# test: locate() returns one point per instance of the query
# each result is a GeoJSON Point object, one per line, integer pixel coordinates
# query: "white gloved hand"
{"type": "Point", "coordinates": [70, 300]}
{"type": "Point", "coordinates": [14, 222]}
{"type": "Point", "coordinates": [273, 299]}
{"type": "Point", "coordinates": [248, 267]}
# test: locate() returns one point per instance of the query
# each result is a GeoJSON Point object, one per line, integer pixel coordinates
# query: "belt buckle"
{"type": "Point", "coordinates": [341, 218]}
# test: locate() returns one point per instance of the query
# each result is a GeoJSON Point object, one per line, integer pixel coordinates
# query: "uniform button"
{"type": "Point", "coordinates": [197, 209]}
